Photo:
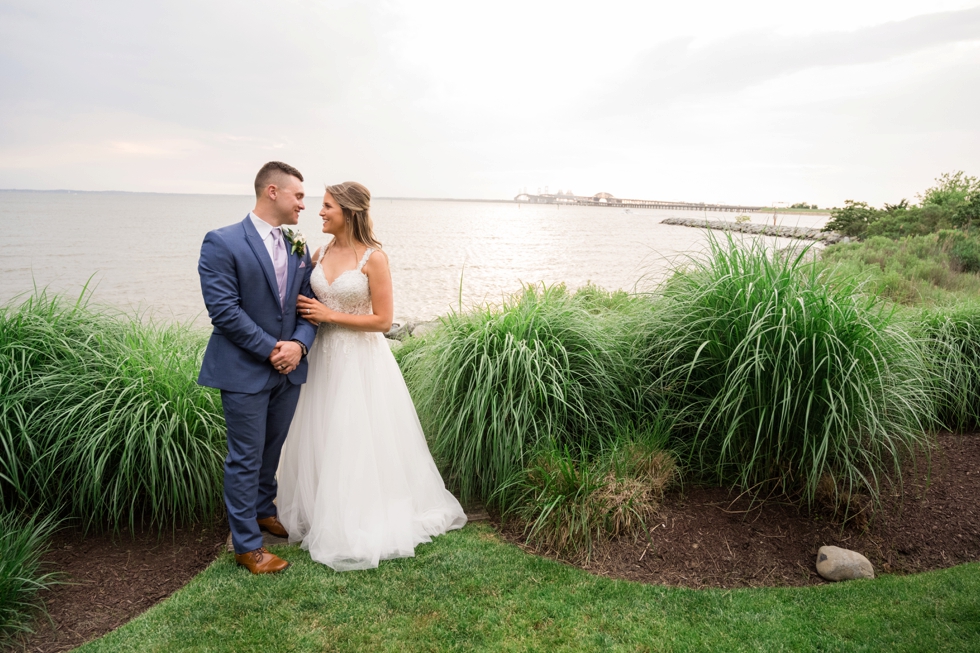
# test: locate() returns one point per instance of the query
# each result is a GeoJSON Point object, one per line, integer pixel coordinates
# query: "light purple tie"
{"type": "Point", "coordinates": [279, 263]}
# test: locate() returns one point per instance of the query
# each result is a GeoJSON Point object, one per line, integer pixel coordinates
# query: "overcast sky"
{"type": "Point", "coordinates": [749, 102]}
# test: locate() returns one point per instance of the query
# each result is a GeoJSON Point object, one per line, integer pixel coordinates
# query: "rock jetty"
{"type": "Point", "coordinates": [806, 233]}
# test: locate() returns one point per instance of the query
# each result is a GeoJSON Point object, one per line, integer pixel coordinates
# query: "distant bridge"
{"type": "Point", "coordinates": [605, 199]}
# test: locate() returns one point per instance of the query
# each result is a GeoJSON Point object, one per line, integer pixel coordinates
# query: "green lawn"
{"type": "Point", "coordinates": [470, 591]}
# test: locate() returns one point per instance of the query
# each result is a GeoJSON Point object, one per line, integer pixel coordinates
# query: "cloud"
{"type": "Point", "coordinates": [680, 68]}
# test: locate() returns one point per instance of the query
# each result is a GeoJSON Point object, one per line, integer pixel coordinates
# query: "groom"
{"type": "Point", "coordinates": [251, 274]}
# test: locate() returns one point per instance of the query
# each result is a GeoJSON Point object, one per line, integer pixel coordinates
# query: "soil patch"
{"type": "Point", "coordinates": [112, 579]}
{"type": "Point", "coordinates": [708, 537]}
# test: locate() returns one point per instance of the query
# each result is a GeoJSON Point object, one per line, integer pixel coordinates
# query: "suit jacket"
{"type": "Point", "coordinates": [240, 291]}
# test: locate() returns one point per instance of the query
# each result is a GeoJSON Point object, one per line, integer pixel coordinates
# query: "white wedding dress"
{"type": "Point", "coordinates": [357, 483]}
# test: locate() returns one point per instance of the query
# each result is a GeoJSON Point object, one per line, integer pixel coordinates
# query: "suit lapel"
{"type": "Point", "coordinates": [262, 254]}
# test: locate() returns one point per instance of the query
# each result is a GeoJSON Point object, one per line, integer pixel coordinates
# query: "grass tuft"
{"type": "Point", "coordinates": [22, 544]}
{"type": "Point", "coordinates": [497, 383]}
{"type": "Point", "coordinates": [783, 375]}
{"type": "Point", "coordinates": [952, 340]}
{"type": "Point", "coordinates": [101, 418]}
{"type": "Point", "coordinates": [571, 502]}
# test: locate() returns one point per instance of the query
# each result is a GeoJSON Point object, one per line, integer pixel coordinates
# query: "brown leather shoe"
{"type": "Point", "coordinates": [273, 525]}
{"type": "Point", "coordinates": [260, 561]}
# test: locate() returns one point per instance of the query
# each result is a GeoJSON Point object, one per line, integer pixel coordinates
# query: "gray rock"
{"type": "Point", "coordinates": [835, 563]}
{"type": "Point", "coordinates": [401, 331]}
{"type": "Point", "coordinates": [423, 328]}
{"type": "Point", "coordinates": [756, 229]}
{"type": "Point", "coordinates": [394, 344]}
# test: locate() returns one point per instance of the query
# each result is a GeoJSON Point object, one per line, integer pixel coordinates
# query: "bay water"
{"type": "Point", "coordinates": [139, 251]}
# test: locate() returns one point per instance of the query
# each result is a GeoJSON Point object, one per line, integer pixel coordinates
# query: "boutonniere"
{"type": "Point", "coordinates": [296, 240]}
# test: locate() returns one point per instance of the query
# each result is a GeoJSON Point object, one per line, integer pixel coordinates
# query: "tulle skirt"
{"type": "Point", "coordinates": [357, 483]}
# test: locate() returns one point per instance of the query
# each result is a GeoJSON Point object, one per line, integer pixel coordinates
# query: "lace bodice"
{"type": "Point", "coordinates": [349, 293]}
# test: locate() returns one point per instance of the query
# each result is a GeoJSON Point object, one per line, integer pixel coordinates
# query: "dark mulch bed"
{"type": "Point", "coordinates": [707, 537]}
{"type": "Point", "coordinates": [115, 578]}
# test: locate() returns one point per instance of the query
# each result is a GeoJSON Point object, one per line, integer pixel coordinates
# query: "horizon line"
{"type": "Point", "coordinates": [156, 192]}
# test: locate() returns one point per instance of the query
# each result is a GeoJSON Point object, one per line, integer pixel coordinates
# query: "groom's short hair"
{"type": "Point", "coordinates": [270, 172]}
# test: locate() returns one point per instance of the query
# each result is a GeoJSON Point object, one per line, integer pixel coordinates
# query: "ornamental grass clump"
{"type": "Point", "coordinates": [570, 502]}
{"type": "Point", "coordinates": [952, 339]}
{"type": "Point", "coordinates": [23, 543]}
{"type": "Point", "coordinates": [491, 386]}
{"type": "Point", "coordinates": [101, 418]}
{"type": "Point", "coordinates": [782, 377]}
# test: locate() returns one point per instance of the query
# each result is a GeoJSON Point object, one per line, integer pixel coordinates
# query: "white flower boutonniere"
{"type": "Point", "coordinates": [296, 240]}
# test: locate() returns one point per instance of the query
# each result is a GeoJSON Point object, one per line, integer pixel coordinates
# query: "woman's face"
{"type": "Point", "coordinates": [332, 215]}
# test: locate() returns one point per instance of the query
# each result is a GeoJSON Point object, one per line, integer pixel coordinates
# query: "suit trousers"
{"type": "Point", "coordinates": [257, 426]}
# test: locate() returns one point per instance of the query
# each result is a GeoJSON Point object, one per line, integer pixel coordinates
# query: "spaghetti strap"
{"type": "Point", "coordinates": [364, 258]}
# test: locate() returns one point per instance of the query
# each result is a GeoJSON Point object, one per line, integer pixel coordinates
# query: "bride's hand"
{"type": "Point", "coordinates": [313, 311]}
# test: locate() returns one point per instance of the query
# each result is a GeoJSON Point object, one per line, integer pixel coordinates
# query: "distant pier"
{"type": "Point", "coordinates": [605, 199]}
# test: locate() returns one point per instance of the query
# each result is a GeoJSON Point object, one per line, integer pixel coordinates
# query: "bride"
{"type": "Point", "coordinates": [357, 483]}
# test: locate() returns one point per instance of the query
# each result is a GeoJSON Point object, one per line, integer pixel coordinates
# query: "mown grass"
{"type": "Point", "coordinates": [467, 591]}
{"type": "Point", "coordinates": [101, 419]}
{"type": "Point", "coordinates": [23, 541]}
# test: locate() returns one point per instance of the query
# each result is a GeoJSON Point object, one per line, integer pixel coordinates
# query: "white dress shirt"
{"type": "Point", "coordinates": [265, 233]}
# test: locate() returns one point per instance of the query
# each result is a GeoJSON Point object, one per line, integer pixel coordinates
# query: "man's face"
{"type": "Point", "coordinates": [289, 199]}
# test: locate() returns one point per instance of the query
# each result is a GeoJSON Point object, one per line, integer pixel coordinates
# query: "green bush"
{"type": "Point", "coordinates": [101, 418]}
{"type": "Point", "coordinates": [901, 221]}
{"type": "Point", "coordinates": [954, 202]}
{"type": "Point", "coordinates": [784, 376]}
{"type": "Point", "coordinates": [852, 220]}
{"type": "Point", "coordinates": [22, 545]}
{"type": "Point", "coordinates": [495, 384]}
{"type": "Point", "coordinates": [952, 337]}
{"type": "Point", "coordinates": [963, 249]}
{"type": "Point", "coordinates": [911, 271]}
{"type": "Point", "coordinates": [570, 500]}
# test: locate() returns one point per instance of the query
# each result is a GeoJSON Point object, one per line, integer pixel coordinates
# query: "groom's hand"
{"type": "Point", "coordinates": [286, 356]}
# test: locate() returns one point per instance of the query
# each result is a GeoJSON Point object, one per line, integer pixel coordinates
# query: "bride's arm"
{"type": "Point", "coordinates": [379, 280]}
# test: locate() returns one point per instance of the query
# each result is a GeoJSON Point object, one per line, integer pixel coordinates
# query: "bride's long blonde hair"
{"type": "Point", "coordinates": [355, 201]}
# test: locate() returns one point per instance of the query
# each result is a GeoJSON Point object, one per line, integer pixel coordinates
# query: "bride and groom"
{"type": "Point", "coordinates": [324, 445]}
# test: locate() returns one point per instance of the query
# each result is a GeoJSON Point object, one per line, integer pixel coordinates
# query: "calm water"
{"type": "Point", "coordinates": [141, 249]}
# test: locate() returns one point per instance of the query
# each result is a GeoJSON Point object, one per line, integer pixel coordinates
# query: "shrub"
{"type": "Point", "coordinates": [916, 270]}
{"type": "Point", "coordinates": [101, 418]}
{"type": "Point", "coordinates": [963, 249]}
{"type": "Point", "coordinates": [570, 502]}
{"type": "Point", "coordinates": [22, 545]}
{"type": "Point", "coordinates": [852, 220]}
{"type": "Point", "coordinates": [952, 190]}
{"type": "Point", "coordinates": [953, 339]}
{"type": "Point", "coordinates": [902, 220]}
{"type": "Point", "coordinates": [544, 369]}
{"type": "Point", "coordinates": [784, 376]}
{"type": "Point", "coordinates": [954, 202]}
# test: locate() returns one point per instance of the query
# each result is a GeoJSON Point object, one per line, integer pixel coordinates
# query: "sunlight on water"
{"type": "Point", "coordinates": [142, 249]}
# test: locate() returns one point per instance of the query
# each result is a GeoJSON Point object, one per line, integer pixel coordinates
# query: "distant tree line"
{"type": "Point", "coordinates": [950, 209]}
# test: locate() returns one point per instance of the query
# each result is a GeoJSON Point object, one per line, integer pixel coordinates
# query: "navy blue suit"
{"type": "Point", "coordinates": [240, 291]}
